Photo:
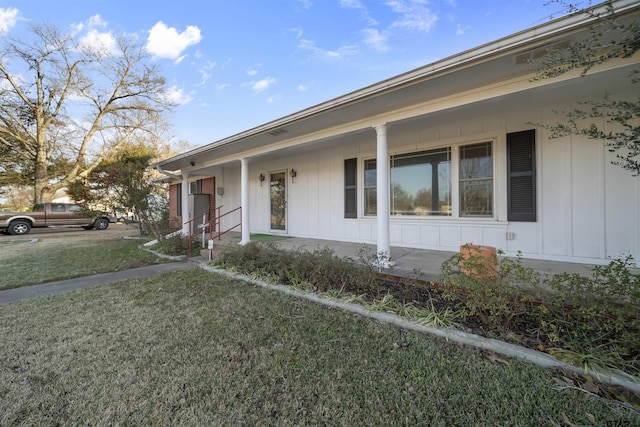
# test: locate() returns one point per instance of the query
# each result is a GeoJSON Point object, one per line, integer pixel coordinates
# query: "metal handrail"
{"type": "Point", "coordinates": [212, 225]}
{"type": "Point", "coordinates": [219, 218]}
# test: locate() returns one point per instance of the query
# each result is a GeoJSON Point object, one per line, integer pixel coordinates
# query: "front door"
{"type": "Point", "coordinates": [278, 195]}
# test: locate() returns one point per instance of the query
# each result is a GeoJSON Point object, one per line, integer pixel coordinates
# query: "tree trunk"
{"type": "Point", "coordinates": [41, 178]}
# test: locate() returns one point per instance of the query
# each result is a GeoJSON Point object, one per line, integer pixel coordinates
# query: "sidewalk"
{"type": "Point", "coordinates": [52, 288]}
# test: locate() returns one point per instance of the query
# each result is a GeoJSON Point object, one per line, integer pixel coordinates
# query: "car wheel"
{"type": "Point", "coordinates": [19, 227]}
{"type": "Point", "coordinates": [101, 224]}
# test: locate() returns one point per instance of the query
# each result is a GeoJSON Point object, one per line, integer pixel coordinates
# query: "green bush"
{"type": "Point", "coordinates": [597, 314]}
{"type": "Point", "coordinates": [319, 269]}
{"type": "Point", "coordinates": [175, 245]}
{"type": "Point", "coordinates": [591, 321]}
{"type": "Point", "coordinates": [498, 293]}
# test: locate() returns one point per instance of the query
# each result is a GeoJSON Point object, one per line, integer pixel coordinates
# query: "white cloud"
{"type": "Point", "coordinates": [262, 85]}
{"type": "Point", "coordinates": [166, 42]}
{"type": "Point", "coordinates": [357, 4]}
{"type": "Point", "coordinates": [351, 4]}
{"type": "Point", "coordinates": [8, 18]}
{"type": "Point", "coordinates": [414, 15]}
{"type": "Point", "coordinates": [76, 28]}
{"type": "Point", "coordinates": [346, 50]}
{"type": "Point", "coordinates": [375, 39]}
{"type": "Point", "coordinates": [298, 32]}
{"type": "Point", "coordinates": [251, 71]}
{"type": "Point", "coordinates": [205, 72]}
{"type": "Point", "coordinates": [96, 21]}
{"type": "Point", "coordinates": [221, 86]}
{"type": "Point", "coordinates": [306, 3]}
{"type": "Point", "coordinates": [99, 43]}
{"type": "Point", "coordinates": [178, 96]}
{"type": "Point", "coordinates": [303, 87]}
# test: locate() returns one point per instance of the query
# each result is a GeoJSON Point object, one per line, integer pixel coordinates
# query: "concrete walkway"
{"type": "Point", "coordinates": [53, 288]}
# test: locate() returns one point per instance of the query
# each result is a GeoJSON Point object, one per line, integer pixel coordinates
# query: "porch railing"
{"type": "Point", "coordinates": [210, 225]}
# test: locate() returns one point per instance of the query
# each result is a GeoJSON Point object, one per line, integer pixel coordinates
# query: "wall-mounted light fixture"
{"type": "Point", "coordinates": [261, 179]}
{"type": "Point", "coordinates": [293, 174]}
{"type": "Point", "coordinates": [192, 163]}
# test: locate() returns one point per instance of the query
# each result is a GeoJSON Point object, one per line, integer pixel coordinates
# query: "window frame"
{"type": "Point", "coordinates": [365, 187]}
{"type": "Point", "coordinates": [478, 179]}
{"type": "Point", "coordinates": [455, 211]}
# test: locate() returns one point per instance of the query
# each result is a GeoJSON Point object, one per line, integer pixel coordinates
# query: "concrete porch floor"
{"type": "Point", "coordinates": [407, 261]}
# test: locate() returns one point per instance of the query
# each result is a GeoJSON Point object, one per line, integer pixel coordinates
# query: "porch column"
{"type": "Point", "coordinates": [186, 215]}
{"type": "Point", "coordinates": [244, 189]}
{"type": "Point", "coordinates": [382, 195]}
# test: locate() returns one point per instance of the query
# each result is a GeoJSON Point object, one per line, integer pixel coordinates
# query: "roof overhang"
{"type": "Point", "coordinates": [488, 66]}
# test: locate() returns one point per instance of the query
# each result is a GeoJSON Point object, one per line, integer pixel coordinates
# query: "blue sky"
{"type": "Point", "coordinates": [236, 64]}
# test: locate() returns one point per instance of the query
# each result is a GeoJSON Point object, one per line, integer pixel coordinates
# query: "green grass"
{"type": "Point", "coordinates": [194, 348]}
{"type": "Point", "coordinates": [33, 265]}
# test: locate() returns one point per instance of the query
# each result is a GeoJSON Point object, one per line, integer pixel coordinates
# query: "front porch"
{"type": "Point", "coordinates": [407, 261]}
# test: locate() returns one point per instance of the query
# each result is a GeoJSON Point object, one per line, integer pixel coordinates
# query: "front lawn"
{"type": "Point", "coordinates": [194, 348]}
{"type": "Point", "coordinates": [67, 255]}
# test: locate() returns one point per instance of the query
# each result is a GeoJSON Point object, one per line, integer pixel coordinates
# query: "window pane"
{"type": "Point", "coordinates": [476, 180]}
{"type": "Point", "coordinates": [421, 183]}
{"type": "Point", "coordinates": [369, 173]}
{"type": "Point", "coordinates": [370, 201]}
{"type": "Point", "coordinates": [476, 197]}
{"type": "Point", "coordinates": [475, 161]}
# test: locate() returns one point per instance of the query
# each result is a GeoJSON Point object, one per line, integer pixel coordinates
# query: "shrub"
{"type": "Point", "coordinates": [597, 313]}
{"type": "Point", "coordinates": [589, 320]}
{"type": "Point", "coordinates": [175, 245]}
{"type": "Point", "coordinates": [319, 269]}
{"type": "Point", "coordinates": [497, 292]}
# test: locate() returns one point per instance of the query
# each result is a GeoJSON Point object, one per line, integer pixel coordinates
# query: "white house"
{"type": "Point", "coordinates": [434, 158]}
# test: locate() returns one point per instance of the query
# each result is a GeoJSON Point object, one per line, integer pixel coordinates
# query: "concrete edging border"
{"type": "Point", "coordinates": [500, 347]}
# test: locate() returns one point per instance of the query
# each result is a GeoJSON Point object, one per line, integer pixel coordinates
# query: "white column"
{"type": "Point", "coordinates": [244, 185]}
{"type": "Point", "coordinates": [382, 194]}
{"type": "Point", "coordinates": [186, 215]}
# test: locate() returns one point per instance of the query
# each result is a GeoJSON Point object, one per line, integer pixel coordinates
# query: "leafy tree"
{"type": "Point", "coordinates": [122, 183]}
{"type": "Point", "coordinates": [65, 104]}
{"type": "Point", "coordinates": [611, 36]}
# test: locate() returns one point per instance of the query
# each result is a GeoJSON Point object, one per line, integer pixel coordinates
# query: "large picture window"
{"type": "Point", "coordinates": [421, 183]}
{"type": "Point", "coordinates": [476, 180]}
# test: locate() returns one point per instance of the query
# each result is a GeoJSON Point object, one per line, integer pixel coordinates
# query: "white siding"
{"type": "Point", "coordinates": [588, 209]}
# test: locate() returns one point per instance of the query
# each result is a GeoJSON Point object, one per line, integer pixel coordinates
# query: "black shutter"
{"type": "Point", "coordinates": [350, 192]}
{"type": "Point", "coordinates": [178, 199]}
{"type": "Point", "coordinates": [521, 176]}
